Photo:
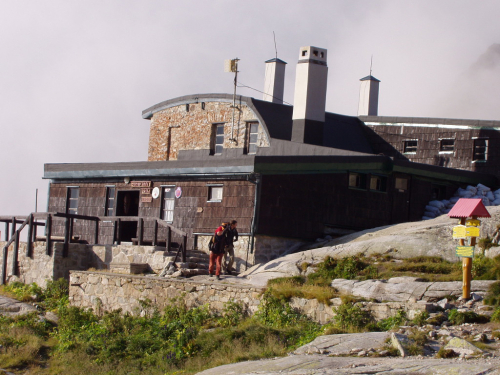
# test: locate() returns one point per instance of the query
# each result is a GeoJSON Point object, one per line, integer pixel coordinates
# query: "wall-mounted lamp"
{"type": "Point", "coordinates": [126, 180]}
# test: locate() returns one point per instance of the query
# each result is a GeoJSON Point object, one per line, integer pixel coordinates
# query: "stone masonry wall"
{"type": "Point", "coordinates": [41, 267]}
{"type": "Point", "coordinates": [175, 129]}
{"type": "Point", "coordinates": [113, 291]}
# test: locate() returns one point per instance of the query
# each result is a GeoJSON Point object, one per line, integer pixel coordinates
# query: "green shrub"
{"type": "Point", "coordinates": [484, 268]}
{"type": "Point", "coordinates": [446, 353]}
{"type": "Point", "coordinates": [493, 295]}
{"type": "Point", "coordinates": [276, 312]}
{"type": "Point", "coordinates": [437, 320]}
{"type": "Point", "coordinates": [457, 318]}
{"type": "Point", "coordinates": [397, 320]}
{"type": "Point", "coordinates": [233, 313]}
{"type": "Point", "coordinates": [351, 317]}
{"type": "Point", "coordinates": [421, 318]}
{"type": "Point", "coordinates": [495, 317]}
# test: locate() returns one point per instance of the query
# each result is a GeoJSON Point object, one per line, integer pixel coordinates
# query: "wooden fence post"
{"type": "Point", "coordinates": [96, 234]}
{"type": "Point", "coordinates": [6, 235]}
{"type": "Point", "coordinates": [155, 233]}
{"type": "Point", "coordinates": [13, 229]}
{"type": "Point", "coordinates": [184, 248]}
{"type": "Point", "coordinates": [168, 239]}
{"type": "Point", "coordinates": [29, 243]}
{"type": "Point", "coordinates": [67, 237]}
{"type": "Point", "coordinates": [48, 232]}
{"type": "Point", "coordinates": [140, 230]}
{"type": "Point", "coordinates": [118, 225]}
{"type": "Point", "coordinates": [15, 255]}
{"type": "Point", "coordinates": [4, 265]}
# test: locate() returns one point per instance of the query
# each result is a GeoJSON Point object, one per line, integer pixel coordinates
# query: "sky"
{"type": "Point", "coordinates": [76, 75]}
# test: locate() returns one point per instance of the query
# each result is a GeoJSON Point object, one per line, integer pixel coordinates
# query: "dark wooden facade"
{"type": "Point", "coordinates": [193, 213]}
{"type": "Point", "coordinates": [390, 140]}
{"type": "Point", "coordinates": [305, 205]}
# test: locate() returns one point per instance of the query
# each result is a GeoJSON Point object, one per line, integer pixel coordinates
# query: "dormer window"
{"type": "Point", "coordinates": [217, 139]}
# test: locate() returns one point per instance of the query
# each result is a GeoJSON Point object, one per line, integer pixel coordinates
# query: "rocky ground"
{"type": "Point", "coordinates": [475, 348]}
{"type": "Point", "coordinates": [420, 238]}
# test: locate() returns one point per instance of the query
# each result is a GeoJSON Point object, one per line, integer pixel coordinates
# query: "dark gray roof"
{"type": "Point", "coordinates": [369, 78]}
{"type": "Point", "coordinates": [431, 121]}
{"type": "Point", "coordinates": [275, 60]}
{"type": "Point", "coordinates": [204, 166]}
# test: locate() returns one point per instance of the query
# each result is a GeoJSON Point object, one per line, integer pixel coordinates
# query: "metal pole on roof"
{"type": "Point", "coordinates": [234, 97]}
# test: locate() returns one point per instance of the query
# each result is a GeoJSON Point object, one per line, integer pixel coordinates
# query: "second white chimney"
{"type": "Point", "coordinates": [274, 83]}
{"type": "Point", "coordinates": [368, 96]}
{"type": "Point", "coordinates": [310, 96]}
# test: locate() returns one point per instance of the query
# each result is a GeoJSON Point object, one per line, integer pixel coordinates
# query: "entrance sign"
{"type": "Point", "coordinates": [141, 184]}
{"type": "Point", "coordinates": [465, 251]}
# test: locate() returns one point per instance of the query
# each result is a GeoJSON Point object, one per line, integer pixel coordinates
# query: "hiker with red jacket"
{"type": "Point", "coordinates": [217, 251]}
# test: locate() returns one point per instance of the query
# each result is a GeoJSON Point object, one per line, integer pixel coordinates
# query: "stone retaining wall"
{"type": "Point", "coordinates": [113, 291]}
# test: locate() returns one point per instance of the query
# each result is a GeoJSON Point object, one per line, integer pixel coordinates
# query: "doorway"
{"type": "Point", "coordinates": [127, 205]}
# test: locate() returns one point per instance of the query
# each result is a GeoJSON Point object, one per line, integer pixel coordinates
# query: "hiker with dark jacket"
{"type": "Point", "coordinates": [217, 250]}
{"type": "Point", "coordinates": [231, 237]}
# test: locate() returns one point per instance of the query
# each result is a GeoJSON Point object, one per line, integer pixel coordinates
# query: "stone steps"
{"type": "Point", "coordinates": [193, 265]}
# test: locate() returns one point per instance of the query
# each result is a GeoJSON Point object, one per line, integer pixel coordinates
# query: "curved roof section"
{"type": "Point", "coordinates": [340, 132]}
{"type": "Point", "coordinates": [198, 98]}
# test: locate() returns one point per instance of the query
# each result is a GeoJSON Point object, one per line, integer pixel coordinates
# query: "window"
{"type": "Point", "coordinates": [378, 183]}
{"type": "Point", "coordinates": [438, 192]}
{"type": "Point", "coordinates": [218, 139]}
{"type": "Point", "coordinates": [357, 180]}
{"type": "Point", "coordinates": [253, 132]}
{"type": "Point", "coordinates": [168, 203]}
{"type": "Point", "coordinates": [401, 183]}
{"type": "Point", "coordinates": [72, 200]}
{"type": "Point", "coordinates": [480, 149]}
{"type": "Point", "coordinates": [447, 145]}
{"type": "Point", "coordinates": [110, 201]}
{"type": "Point", "coordinates": [215, 193]}
{"type": "Point", "coordinates": [410, 147]}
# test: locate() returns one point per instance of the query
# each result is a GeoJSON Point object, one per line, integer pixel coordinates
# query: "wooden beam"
{"type": "Point", "coordinates": [13, 229]}
{"type": "Point", "coordinates": [15, 255]}
{"type": "Point", "coordinates": [96, 233]}
{"type": "Point", "coordinates": [67, 236]}
{"type": "Point", "coordinates": [118, 227]}
{"type": "Point", "coordinates": [48, 232]}
{"type": "Point", "coordinates": [29, 239]}
{"type": "Point", "coordinates": [6, 235]}
{"type": "Point", "coordinates": [168, 239]}
{"type": "Point", "coordinates": [184, 248]}
{"type": "Point", "coordinates": [4, 265]}
{"type": "Point", "coordinates": [155, 233]}
{"type": "Point", "coordinates": [140, 229]}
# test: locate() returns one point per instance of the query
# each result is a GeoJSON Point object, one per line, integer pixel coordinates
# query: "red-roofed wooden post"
{"type": "Point", "coordinates": [463, 209]}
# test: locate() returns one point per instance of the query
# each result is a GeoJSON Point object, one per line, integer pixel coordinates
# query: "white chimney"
{"type": "Point", "coordinates": [310, 96]}
{"type": "Point", "coordinates": [368, 96]}
{"type": "Point", "coordinates": [274, 83]}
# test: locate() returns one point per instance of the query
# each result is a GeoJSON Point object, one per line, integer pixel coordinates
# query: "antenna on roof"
{"type": "Point", "coordinates": [371, 63]}
{"type": "Point", "coordinates": [275, 48]}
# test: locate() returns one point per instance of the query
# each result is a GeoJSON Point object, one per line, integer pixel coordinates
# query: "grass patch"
{"type": "Point", "coordinates": [288, 287]}
{"type": "Point", "coordinates": [457, 318]}
{"type": "Point", "coordinates": [446, 353]}
{"type": "Point", "coordinates": [493, 295]}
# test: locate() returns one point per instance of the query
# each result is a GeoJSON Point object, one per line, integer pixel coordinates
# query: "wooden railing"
{"type": "Point", "coordinates": [31, 222]}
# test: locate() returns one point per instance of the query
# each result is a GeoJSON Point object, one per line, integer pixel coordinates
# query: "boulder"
{"type": "Point", "coordinates": [344, 344]}
{"type": "Point", "coordinates": [462, 347]}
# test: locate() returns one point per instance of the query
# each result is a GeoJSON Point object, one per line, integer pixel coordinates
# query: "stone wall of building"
{"type": "Point", "coordinates": [41, 267]}
{"type": "Point", "coordinates": [177, 128]}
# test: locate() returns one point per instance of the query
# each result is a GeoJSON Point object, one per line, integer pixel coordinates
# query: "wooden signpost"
{"type": "Point", "coordinates": [467, 210]}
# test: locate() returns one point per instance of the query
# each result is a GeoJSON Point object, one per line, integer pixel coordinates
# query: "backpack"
{"type": "Point", "coordinates": [211, 244]}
